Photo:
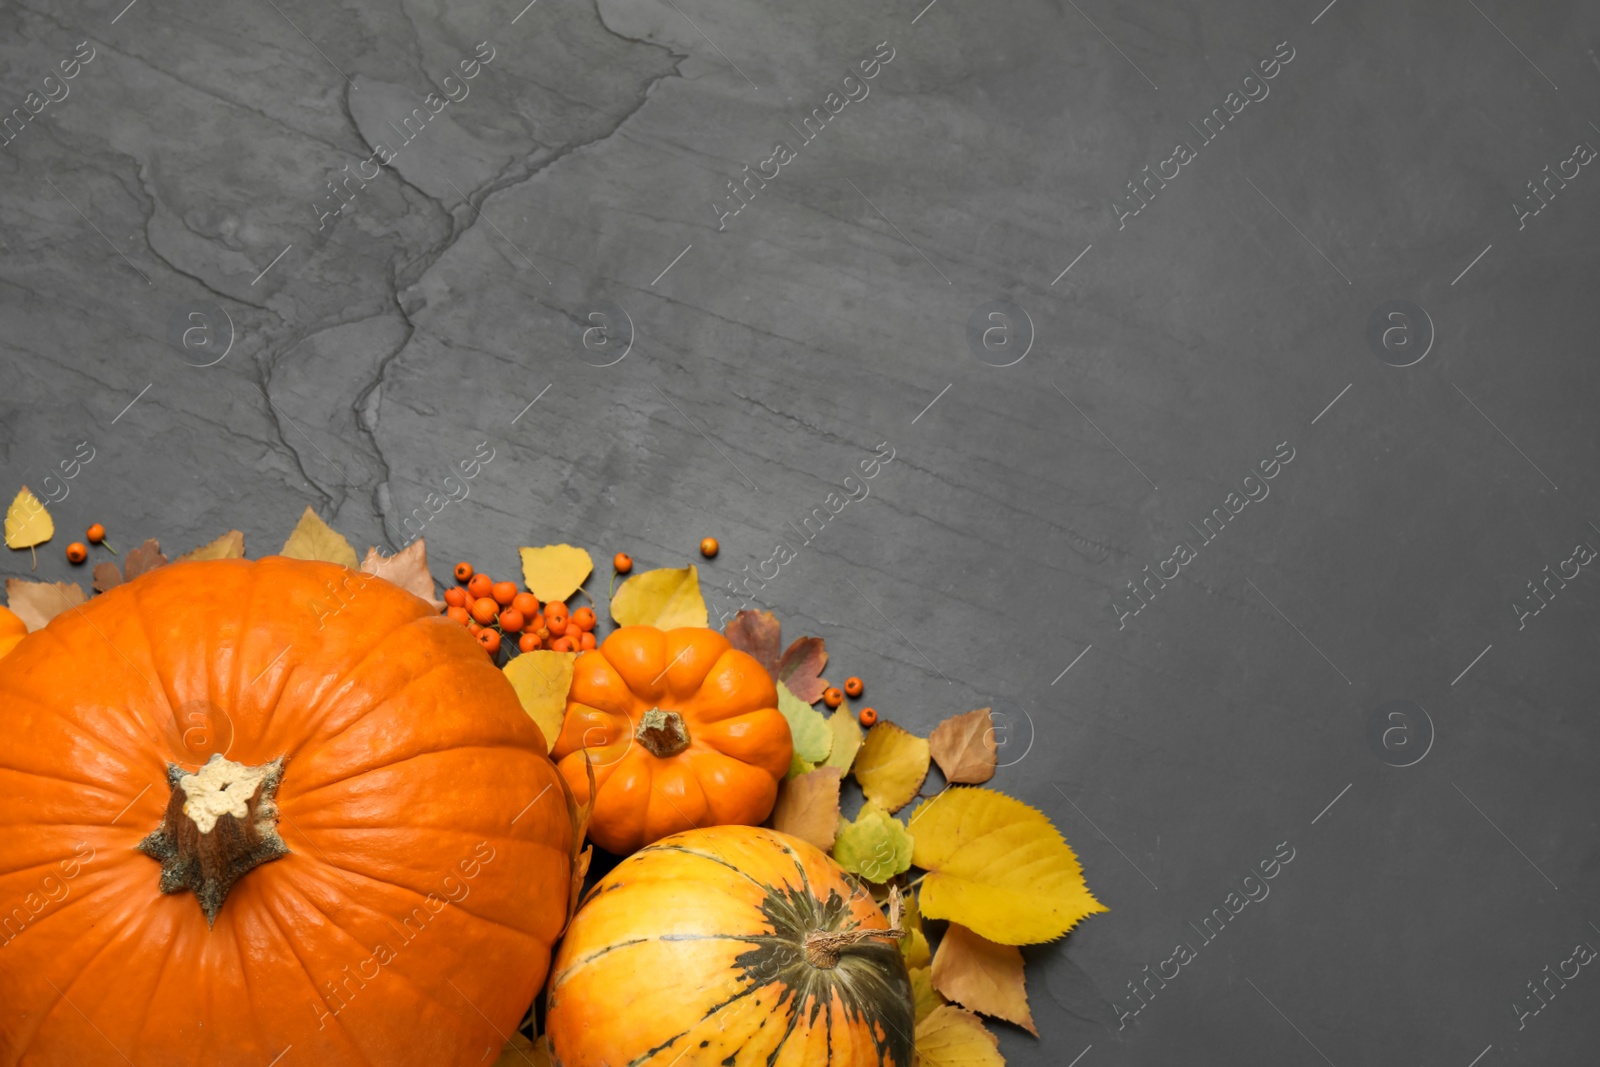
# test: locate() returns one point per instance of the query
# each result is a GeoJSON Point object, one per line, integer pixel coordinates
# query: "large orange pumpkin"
{"type": "Point", "coordinates": [682, 729]}
{"type": "Point", "coordinates": [269, 809]}
{"type": "Point", "coordinates": [733, 945]}
{"type": "Point", "coordinates": [12, 630]}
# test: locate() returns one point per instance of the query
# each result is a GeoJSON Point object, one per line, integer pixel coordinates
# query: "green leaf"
{"type": "Point", "coordinates": [809, 730]}
{"type": "Point", "coordinates": [876, 846]}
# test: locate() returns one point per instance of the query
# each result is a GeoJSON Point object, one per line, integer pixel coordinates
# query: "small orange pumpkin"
{"type": "Point", "coordinates": [255, 805]}
{"type": "Point", "coordinates": [683, 731]}
{"type": "Point", "coordinates": [734, 944]}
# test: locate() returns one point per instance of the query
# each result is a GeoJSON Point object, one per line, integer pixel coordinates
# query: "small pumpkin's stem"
{"type": "Point", "coordinates": [220, 823]}
{"type": "Point", "coordinates": [662, 733]}
{"type": "Point", "coordinates": [823, 947]}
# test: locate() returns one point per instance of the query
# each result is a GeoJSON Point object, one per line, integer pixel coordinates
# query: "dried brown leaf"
{"type": "Point", "coordinates": [407, 568]}
{"type": "Point", "coordinates": [229, 546]}
{"type": "Point", "coordinates": [580, 869]}
{"type": "Point", "coordinates": [808, 807]}
{"type": "Point", "coordinates": [147, 557]}
{"type": "Point", "coordinates": [106, 576]}
{"type": "Point", "coordinates": [801, 668]}
{"type": "Point", "coordinates": [964, 747]}
{"type": "Point", "coordinates": [36, 603]}
{"type": "Point", "coordinates": [982, 975]}
{"type": "Point", "coordinates": [756, 632]}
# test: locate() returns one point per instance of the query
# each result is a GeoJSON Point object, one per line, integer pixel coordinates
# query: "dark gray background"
{"type": "Point", "coordinates": [1176, 753]}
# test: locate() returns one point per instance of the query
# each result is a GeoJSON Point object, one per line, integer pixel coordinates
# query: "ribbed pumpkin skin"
{"type": "Point", "coordinates": [686, 954]}
{"type": "Point", "coordinates": [739, 747]}
{"type": "Point", "coordinates": [411, 770]}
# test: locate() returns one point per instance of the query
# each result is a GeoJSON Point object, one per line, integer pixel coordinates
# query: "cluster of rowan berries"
{"type": "Point", "coordinates": [495, 612]}
{"type": "Point", "coordinates": [853, 688]}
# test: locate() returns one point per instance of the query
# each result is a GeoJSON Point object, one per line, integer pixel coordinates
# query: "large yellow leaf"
{"type": "Point", "coordinates": [542, 679]}
{"type": "Point", "coordinates": [891, 766]}
{"type": "Point", "coordinates": [27, 522]}
{"type": "Point", "coordinates": [314, 539]}
{"type": "Point", "coordinates": [979, 974]}
{"type": "Point", "coordinates": [997, 867]}
{"type": "Point", "coordinates": [665, 598]}
{"type": "Point", "coordinates": [229, 546]}
{"type": "Point", "coordinates": [555, 572]}
{"type": "Point", "coordinates": [950, 1037]}
{"type": "Point", "coordinates": [923, 995]}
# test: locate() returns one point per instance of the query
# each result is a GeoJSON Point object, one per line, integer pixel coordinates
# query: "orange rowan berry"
{"type": "Point", "coordinates": [480, 585]}
{"type": "Point", "coordinates": [584, 619]}
{"type": "Point", "coordinates": [528, 643]}
{"type": "Point", "coordinates": [484, 610]}
{"type": "Point", "coordinates": [95, 534]}
{"type": "Point", "coordinates": [463, 571]}
{"type": "Point", "coordinates": [622, 562]}
{"type": "Point", "coordinates": [504, 593]}
{"type": "Point", "coordinates": [561, 644]}
{"type": "Point", "coordinates": [586, 641]}
{"type": "Point", "coordinates": [456, 597]}
{"type": "Point", "coordinates": [853, 687]}
{"type": "Point", "coordinates": [511, 620]}
{"type": "Point", "coordinates": [77, 552]}
{"type": "Point", "coordinates": [708, 547]}
{"type": "Point", "coordinates": [832, 697]}
{"type": "Point", "coordinates": [868, 716]}
{"type": "Point", "coordinates": [526, 603]}
{"type": "Point", "coordinates": [456, 613]}
{"type": "Point", "coordinates": [489, 639]}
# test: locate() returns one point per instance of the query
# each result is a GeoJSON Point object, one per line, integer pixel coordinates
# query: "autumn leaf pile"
{"type": "Point", "coordinates": [993, 872]}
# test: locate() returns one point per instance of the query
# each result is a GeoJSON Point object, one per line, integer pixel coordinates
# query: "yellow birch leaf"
{"type": "Point", "coordinates": [229, 546]}
{"type": "Point", "coordinates": [923, 995]}
{"type": "Point", "coordinates": [27, 522]}
{"type": "Point", "coordinates": [891, 766]}
{"type": "Point", "coordinates": [666, 598]}
{"type": "Point", "coordinates": [520, 1052]}
{"type": "Point", "coordinates": [541, 679]}
{"type": "Point", "coordinates": [407, 568]}
{"type": "Point", "coordinates": [997, 867]}
{"type": "Point", "coordinates": [964, 747]}
{"type": "Point", "coordinates": [876, 845]}
{"type": "Point", "coordinates": [314, 539]}
{"type": "Point", "coordinates": [555, 572]}
{"type": "Point", "coordinates": [984, 976]}
{"type": "Point", "coordinates": [846, 740]}
{"type": "Point", "coordinates": [950, 1037]}
{"type": "Point", "coordinates": [808, 807]}
{"type": "Point", "coordinates": [914, 946]}
{"type": "Point", "coordinates": [36, 603]}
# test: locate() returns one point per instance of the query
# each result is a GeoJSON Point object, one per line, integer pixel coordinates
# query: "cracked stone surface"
{"type": "Point", "coordinates": [355, 343]}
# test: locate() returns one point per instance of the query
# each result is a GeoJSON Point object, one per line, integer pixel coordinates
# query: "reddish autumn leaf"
{"type": "Point", "coordinates": [756, 632]}
{"type": "Point", "coordinates": [106, 576]}
{"type": "Point", "coordinates": [801, 669]}
{"type": "Point", "coordinates": [147, 557]}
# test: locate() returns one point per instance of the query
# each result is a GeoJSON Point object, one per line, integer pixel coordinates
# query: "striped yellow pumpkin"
{"type": "Point", "coordinates": [731, 945]}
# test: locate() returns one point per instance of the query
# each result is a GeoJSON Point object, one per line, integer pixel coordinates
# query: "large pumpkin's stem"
{"type": "Point", "coordinates": [221, 822]}
{"type": "Point", "coordinates": [823, 947]}
{"type": "Point", "coordinates": [662, 733]}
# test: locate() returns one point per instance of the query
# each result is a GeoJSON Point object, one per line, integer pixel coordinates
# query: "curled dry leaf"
{"type": "Point", "coordinates": [36, 603]}
{"type": "Point", "coordinates": [914, 946]}
{"type": "Point", "coordinates": [27, 522]}
{"type": "Point", "coordinates": [964, 747]}
{"type": "Point", "coordinates": [580, 870]}
{"type": "Point", "coordinates": [314, 539]}
{"type": "Point", "coordinates": [808, 807]}
{"type": "Point", "coordinates": [891, 766]}
{"type": "Point", "coordinates": [758, 633]}
{"type": "Point", "coordinates": [407, 568]}
{"type": "Point", "coordinates": [801, 668]}
{"type": "Point", "coordinates": [923, 995]}
{"type": "Point", "coordinates": [876, 845]}
{"type": "Point", "coordinates": [807, 728]}
{"type": "Point", "coordinates": [979, 974]}
{"type": "Point", "coordinates": [142, 560]}
{"type": "Point", "coordinates": [555, 572]}
{"type": "Point", "coordinates": [665, 598]}
{"type": "Point", "coordinates": [846, 739]}
{"type": "Point", "coordinates": [106, 576]}
{"type": "Point", "coordinates": [998, 867]}
{"type": "Point", "coordinates": [542, 679]}
{"type": "Point", "coordinates": [229, 546]}
{"type": "Point", "coordinates": [950, 1037]}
